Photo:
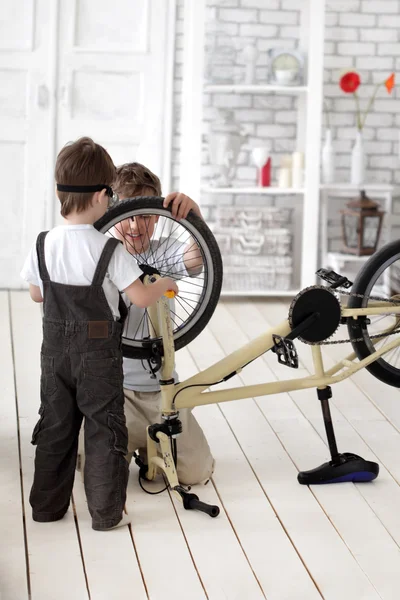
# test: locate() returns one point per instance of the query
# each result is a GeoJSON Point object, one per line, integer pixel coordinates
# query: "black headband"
{"type": "Point", "coordinates": [85, 188]}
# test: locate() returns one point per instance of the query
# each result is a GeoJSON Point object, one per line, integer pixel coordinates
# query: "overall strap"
{"type": "Point", "coordinates": [104, 260]}
{"type": "Point", "coordinates": [44, 274]}
{"type": "Point", "coordinates": [123, 309]}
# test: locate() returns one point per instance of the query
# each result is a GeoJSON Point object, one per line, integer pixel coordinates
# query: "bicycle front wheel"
{"type": "Point", "coordinates": [380, 277]}
{"type": "Point", "coordinates": [184, 250]}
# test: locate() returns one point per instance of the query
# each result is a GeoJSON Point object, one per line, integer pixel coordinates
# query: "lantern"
{"type": "Point", "coordinates": [361, 226]}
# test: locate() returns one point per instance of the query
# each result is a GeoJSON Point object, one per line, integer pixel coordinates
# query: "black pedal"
{"type": "Point", "coordinates": [334, 279]}
{"type": "Point", "coordinates": [285, 351]}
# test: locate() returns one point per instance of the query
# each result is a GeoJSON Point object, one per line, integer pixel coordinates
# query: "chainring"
{"type": "Point", "coordinates": [316, 299]}
{"type": "Point", "coordinates": [395, 300]}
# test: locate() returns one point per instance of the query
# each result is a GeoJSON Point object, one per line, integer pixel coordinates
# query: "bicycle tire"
{"type": "Point", "coordinates": [199, 229]}
{"type": "Point", "coordinates": [363, 284]}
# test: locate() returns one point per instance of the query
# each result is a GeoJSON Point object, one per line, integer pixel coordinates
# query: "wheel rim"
{"type": "Point", "coordinates": [385, 283]}
{"type": "Point", "coordinates": [165, 254]}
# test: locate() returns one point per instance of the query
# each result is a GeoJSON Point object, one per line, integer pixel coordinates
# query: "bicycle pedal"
{"type": "Point", "coordinates": [334, 279]}
{"type": "Point", "coordinates": [285, 351]}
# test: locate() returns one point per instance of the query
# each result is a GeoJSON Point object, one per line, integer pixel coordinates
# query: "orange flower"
{"type": "Point", "coordinates": [389, 83]}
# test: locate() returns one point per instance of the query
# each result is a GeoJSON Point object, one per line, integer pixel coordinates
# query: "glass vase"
{"type": "Point", "coordinates": [358, 160]}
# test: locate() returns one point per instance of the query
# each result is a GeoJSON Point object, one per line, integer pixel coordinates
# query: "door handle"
{"type": "Point", "coordinates": [66, 94]}
{"type": "Point", "coordinates": [42, 96]}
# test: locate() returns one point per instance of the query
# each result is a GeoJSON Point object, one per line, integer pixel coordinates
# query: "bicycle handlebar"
{"type": "Point", "coordinates": [192, 502]}
{"type": "Point", "coordinates": [209, 509]}
{"type": "Point", "coordinates": [169, 294]}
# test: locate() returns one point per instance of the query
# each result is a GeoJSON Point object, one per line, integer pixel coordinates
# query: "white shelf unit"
{"type": "Point", "coordinates": [256, 89]}
{"type": "Point", "coordinates": [308, 126]}
{"type": "Point", "coordinates": [259, 191]}
{"type": "Point", "coordinates": [260, 294]}
{"type": "Point", "coordinates": [333, 192]}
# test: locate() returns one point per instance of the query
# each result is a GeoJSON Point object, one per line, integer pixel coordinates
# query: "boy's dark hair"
{"type": "Point", "coordinates": [133, 179]}
{"type": "Point", "coordinates": [82, 163]}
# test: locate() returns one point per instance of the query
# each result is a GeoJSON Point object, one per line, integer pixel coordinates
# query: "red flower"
{"type": "Point", "coordinates": [350, 82]}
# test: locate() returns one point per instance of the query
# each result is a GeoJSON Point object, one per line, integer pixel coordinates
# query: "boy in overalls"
{"type": "Point", "coordinates": [79, 273]}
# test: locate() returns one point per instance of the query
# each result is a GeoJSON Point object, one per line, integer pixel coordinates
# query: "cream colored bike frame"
{"type": "Point", "coordinates": [184, 395]}
{"type": "Point", "coordinates": [192, 392]}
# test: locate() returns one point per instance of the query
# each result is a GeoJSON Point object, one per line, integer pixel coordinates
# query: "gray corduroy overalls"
{"type": "Point", "coordinates": [81, 376]}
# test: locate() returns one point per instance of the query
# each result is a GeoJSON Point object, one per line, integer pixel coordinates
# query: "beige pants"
{"type": "Point", "coordinates": [195, 461]}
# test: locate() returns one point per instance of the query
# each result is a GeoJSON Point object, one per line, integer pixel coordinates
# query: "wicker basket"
{"type": "Point", "coordinates": [237, 260]}
{"type": "Point", "coordinates": [256, 248]}
{"type": "Point", "coordinates": [239, 279]}
{"type": "Point", "coordinates": [255, 219]}
{"type": "Point", "coordinates": [242, 242]}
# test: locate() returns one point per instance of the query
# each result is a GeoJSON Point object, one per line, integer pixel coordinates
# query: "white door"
{"type": "Point", "coordinates": [26, 122]}
{"type": "Point", "coordinates": [113, 77]}
{"type": "Point", "coordinates": [70, 68]}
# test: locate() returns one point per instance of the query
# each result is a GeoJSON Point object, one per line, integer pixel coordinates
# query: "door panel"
{"type": "Point", "coordinates": [121, 26]}
{"type": "Point", "coordinates": [112, 66]}
{"type": "Point", "coordinates": [26, 99]}
{"type": "Point", "coordinates": [70, 68]}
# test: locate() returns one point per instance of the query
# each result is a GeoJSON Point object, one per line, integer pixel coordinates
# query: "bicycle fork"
{"type": "Point", "coordinates": [161, 437]}
{"type": "Point", "coordinates": [161, 442]}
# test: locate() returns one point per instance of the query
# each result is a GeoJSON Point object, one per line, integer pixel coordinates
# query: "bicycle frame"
{"type": "Point", "coordinates": [192, 392]}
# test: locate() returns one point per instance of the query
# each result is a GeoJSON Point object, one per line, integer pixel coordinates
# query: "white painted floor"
{"type": "Point", "coordinates": [274, 539]}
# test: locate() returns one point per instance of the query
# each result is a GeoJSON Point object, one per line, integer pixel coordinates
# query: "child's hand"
{"type": "Point", "coordinates": [171, 285]}
{"type": "Point", "coordinates": [181, 205]}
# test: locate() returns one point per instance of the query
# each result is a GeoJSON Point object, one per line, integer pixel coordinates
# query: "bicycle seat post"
{"type": "Point", "coordinates": [324, 394]}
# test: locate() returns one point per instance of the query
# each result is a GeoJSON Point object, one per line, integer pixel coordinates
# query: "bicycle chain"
{"type": "Point", "coordinates": [360, 339]}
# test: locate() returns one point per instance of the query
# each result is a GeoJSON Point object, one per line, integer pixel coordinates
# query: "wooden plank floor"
{"type": "Point", "coordinates": [274, 539]}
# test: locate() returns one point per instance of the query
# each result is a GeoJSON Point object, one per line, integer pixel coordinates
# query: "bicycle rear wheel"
{"type": "Point", "coordinates": [380, 277]}
{"type": "Point", "coordinates": [184, 250]}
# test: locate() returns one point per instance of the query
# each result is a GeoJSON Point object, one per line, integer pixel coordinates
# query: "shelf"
{"type": "Point", "coordinates": [264, 191]}
{"type": "Point", "coordinates": [256, 89]}
{"type": "Point", "coordinates": [350, 187]}
{"type": "Point", "coordinates": [260, 294]}
{"type": "Point", "coordinates": [309, 92]}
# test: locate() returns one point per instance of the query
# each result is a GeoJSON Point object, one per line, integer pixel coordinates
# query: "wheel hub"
{"type": "Point", "coordinates": [320, 300]}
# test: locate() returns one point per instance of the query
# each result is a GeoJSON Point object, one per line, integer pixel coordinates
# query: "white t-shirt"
{"type": "Point", "coordinates": [169, 258]}
{"type": "Point", "coordinates": [72, 253]}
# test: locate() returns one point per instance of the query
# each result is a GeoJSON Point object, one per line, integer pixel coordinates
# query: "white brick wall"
{"type": "Point", "coordinates": [380, 6]}
{"type": "Point", "coordinates": [348, 19]}
{"type": "Point", "coordinates": [267, 119]}
{"type": "Point", "coordinates": [374, 56]}
{"type": "Point", "coordinates": [374, 53]}
{"type": "Point", "coordinates": [237, 15]}
{"type": "Point", "coordinates": [389, 21]}
{"type": "Point", "coordinates": [360, 34]}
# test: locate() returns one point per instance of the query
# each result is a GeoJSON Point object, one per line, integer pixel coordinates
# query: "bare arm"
{"type": "Point", "coordinates": [145, 295]}
{"type": "Point", "coordinates": [192, 258]}
{"type": "Point", "coordinates": [181, 205]}
{"type": "Point", "coordinates": [35, 293]}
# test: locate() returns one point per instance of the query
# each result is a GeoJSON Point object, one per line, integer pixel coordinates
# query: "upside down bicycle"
{"type": "Point", "coordinates": [187, 250]}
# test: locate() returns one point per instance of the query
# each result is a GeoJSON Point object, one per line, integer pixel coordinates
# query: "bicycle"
{"type": "Point", "coordinates": [373, 322]}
